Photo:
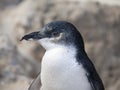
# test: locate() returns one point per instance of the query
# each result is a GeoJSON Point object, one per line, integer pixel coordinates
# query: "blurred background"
{"type": "Point", "coordinates": [97, 20]}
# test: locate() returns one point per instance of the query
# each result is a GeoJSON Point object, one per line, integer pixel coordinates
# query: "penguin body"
{"type": "Point", "coordinates": [65, 65]}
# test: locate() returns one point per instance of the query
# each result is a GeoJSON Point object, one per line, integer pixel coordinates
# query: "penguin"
{"type": "Point", "coordinates": [65, 64]}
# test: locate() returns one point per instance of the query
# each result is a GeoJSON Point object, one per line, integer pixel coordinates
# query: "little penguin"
{"type": "Point", "coordinates": [65, 64]}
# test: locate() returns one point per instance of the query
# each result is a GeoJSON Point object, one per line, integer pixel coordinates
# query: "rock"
{"type": "Point", "coordinates": [22, 83]}
{"type": "Point", "coordinates": [98, 24]}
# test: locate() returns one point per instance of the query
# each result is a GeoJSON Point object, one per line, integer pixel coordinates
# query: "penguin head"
{"type": "Point", "coordinates": [56, 33]}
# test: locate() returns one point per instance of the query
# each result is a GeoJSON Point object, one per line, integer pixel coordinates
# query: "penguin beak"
{"type": "Point", "coordinates": [33, 35]}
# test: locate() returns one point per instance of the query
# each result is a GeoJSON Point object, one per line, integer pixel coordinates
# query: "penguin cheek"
{"type": "Point", "coordinates": [44, 42]}
{"type": "Point", "coordinates": [50, 42]}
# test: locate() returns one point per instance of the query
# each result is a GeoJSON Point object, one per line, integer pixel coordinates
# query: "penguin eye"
{"type": "Point", "coordinates": [55, 34]}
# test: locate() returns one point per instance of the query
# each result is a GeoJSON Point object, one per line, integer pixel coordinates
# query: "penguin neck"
{"type": "Point", "coordinates": [58, 58]}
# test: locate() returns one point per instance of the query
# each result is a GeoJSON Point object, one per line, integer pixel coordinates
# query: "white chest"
{"type": "Point", "coordinates": [60, 71]}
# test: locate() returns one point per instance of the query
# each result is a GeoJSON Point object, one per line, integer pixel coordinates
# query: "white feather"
{"type": "Point", "coordinates": [60, 69]}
